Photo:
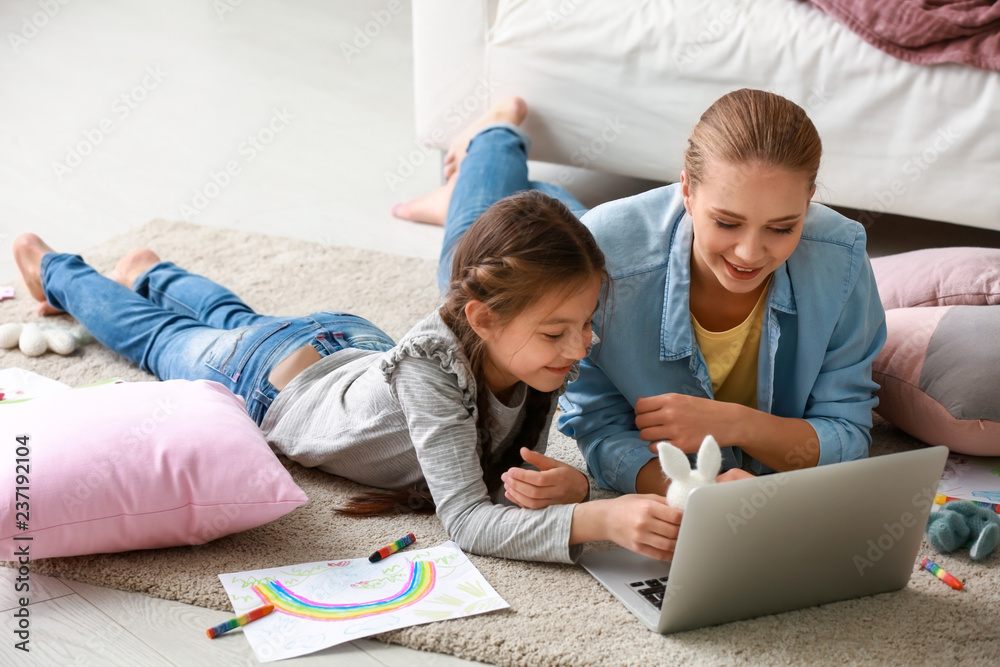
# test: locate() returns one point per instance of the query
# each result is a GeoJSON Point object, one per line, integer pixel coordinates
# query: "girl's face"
{"type": "Point", "coordinates": [541, 343]}
{"type": "Point", "coordinates": [747, 222]}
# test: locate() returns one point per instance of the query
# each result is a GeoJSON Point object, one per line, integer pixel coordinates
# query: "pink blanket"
{"type": "Point", "coordinates": [925, 31]}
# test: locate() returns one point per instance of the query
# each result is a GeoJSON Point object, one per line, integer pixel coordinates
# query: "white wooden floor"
{"type": "Point", "coordinates": [78, 624]}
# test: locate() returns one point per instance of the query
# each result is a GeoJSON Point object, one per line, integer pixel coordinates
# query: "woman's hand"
{"type": "Point", "coordinates": [683, 420]}
{"type": "Point", "coordinates": [644, 524]}
{"type": "Point", "coordinates": [733, 474]}
{"type": "Point", "coordinates": [554, 483]}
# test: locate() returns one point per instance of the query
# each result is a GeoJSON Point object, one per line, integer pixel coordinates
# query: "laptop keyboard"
{"type": "Point", "coordinates": [651, 590]}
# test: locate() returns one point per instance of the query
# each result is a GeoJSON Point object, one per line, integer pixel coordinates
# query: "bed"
{"type": "Point", "coordinates": [617, 87]}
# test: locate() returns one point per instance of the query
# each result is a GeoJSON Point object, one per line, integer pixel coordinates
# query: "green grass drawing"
{"type": "Point", "coordinates": [473, 588]}
{"type": "Point", "coordinates": [433, 615]}
{"type": "Point", "coordinates": [483, 605]}
{"type": "Point", "coordinates": [448, 600]}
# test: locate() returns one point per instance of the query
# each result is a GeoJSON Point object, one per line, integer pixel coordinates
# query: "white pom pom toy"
{"type": "Point", "coordinates": [683, 480]}
{"type": "Point", "coordinates": [35, 339]}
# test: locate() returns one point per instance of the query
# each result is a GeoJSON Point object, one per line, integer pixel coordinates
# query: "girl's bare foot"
{"type": "Point", "coordinates": [132, 265]}
{"type": "Point", "coordinates": [432, 208]}
{"type": "Point", "coordinates": [511, 109]}
{"type": "Point", "coordinates": [29, 250]}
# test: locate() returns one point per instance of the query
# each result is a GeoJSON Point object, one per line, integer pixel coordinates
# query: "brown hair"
{"type": "Point", "coordinates": [521, 249]}
{"type": "Point", "coordinates": [754, 126]}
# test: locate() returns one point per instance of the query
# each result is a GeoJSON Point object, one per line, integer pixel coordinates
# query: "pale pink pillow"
{"type": "Point", "coordinates": [135, 466]}
{"type": "Point", "coordinates": [938, 376]}
{"type": "Point", "coordinates": [939, 277]}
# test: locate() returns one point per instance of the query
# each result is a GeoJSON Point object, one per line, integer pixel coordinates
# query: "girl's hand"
{"type": "Point", "coordinates": [644, 524]}
{"type": "Point", "coordinates": [683, 420]}
{"type": "Point", "coordinates": [554, 483]}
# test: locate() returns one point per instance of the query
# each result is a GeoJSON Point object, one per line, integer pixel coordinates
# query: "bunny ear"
{"type": "Point", "coordinates": [709, 458]}
{"type": "Point", "coordinates": [674, 462]}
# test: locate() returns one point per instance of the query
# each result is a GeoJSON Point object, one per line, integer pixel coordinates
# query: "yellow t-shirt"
{"type": "Point", "coordinates": [732, 356]}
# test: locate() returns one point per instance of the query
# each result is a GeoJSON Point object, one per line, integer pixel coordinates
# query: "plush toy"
{"type": "Point", "coordinates": [36, 339]}
{"type": "Point", "coordinates": [960, 523]}
{"type": "Point", "coordinates": [683, 480]}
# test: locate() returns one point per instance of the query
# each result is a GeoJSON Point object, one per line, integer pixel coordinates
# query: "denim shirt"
{"type": "Point", "coordinates": [823, 326]}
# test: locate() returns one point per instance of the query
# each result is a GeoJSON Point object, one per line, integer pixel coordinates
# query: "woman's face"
{"type": "Point", "coordinates": [747, 222]}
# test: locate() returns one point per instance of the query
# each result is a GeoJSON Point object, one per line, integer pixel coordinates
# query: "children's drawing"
{"type": "Point", "coordinates": [318, 605]}
{"type": "Point", "coordinates": [975, 478]}
{"type": "Point", "coordinates": [420, 583]}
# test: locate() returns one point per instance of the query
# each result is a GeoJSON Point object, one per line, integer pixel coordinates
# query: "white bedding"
{"type": "Point", "coordinates": [618, 86]}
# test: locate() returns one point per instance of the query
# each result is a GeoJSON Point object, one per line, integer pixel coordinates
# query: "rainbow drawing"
{"type": "Point", "coordinates": [422, 578]}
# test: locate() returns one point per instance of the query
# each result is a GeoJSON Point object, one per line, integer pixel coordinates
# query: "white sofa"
{"type": "Point", "coordinates": [618, 86]}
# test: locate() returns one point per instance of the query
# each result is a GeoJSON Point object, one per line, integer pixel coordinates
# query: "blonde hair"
{"type": "Point", "coordinates": [754, 126]}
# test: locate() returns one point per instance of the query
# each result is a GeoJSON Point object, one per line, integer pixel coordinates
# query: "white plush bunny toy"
{"type": "Point", "coordinates": [683, 480]}
{"type": "Point", "coordinates": [37, 339]}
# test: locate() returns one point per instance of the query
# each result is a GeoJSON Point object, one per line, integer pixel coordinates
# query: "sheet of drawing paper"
{"type": "Point", "coordinates": [17, 384]}
{"type": "Point", "coordinates": [971, 478]}
{"type": "Point", "coordinates": [318, 605]}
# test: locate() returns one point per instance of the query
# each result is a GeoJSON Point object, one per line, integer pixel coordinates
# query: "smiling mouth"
{"type": "Point", "coordinates": [741, 273]}
{"type": "Point", "coordinates": [559, 370]}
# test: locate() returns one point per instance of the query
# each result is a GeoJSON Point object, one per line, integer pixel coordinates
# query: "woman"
{"type": "Point", "coordinates": [738, 309]}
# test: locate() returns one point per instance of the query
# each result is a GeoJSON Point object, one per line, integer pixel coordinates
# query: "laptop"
{"type": "Point", "coordinates": [782, 542]}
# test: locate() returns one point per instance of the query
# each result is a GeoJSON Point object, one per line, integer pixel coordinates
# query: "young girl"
{"type": "Point", "coordinates": [736, 308]}
{"type": "Point", "coordinates": [454, 405]}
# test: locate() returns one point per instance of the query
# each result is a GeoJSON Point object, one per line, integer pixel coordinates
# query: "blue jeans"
{"type": "Point", "coordinates": [495, 166]}
{"type": "Point", "coordinates": [178, 325]}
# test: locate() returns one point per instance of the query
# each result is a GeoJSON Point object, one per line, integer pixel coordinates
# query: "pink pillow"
{"type": "Point", "coordinates": [135, 466]}
{"type": "Point", "coordinates": [939, 277]}
{"type": "Point", "coordinates": [939, 379]}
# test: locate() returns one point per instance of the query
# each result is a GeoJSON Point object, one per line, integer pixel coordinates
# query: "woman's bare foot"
{"type": "Point", "coordinates": [432, 208]}
{"type": "Point", "coordinates": [132, 265]}
{"type": "Point", "coordinates": [511, 109]}
{"type": "Point", "coordinates": [29, 250]}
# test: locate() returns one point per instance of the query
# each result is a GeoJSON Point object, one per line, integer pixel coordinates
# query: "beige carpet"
{"type": "Point", "coordinates": [559, 615]}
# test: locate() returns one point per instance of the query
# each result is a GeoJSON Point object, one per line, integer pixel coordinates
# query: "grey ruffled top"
{"type": "Point", "coordinates": [407, 418]}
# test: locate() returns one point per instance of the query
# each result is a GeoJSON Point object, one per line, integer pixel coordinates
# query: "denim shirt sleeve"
{"type": "Point", "coordinates": [842, 398]}
{"type": "Point", "coordinates": [602, 422]}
